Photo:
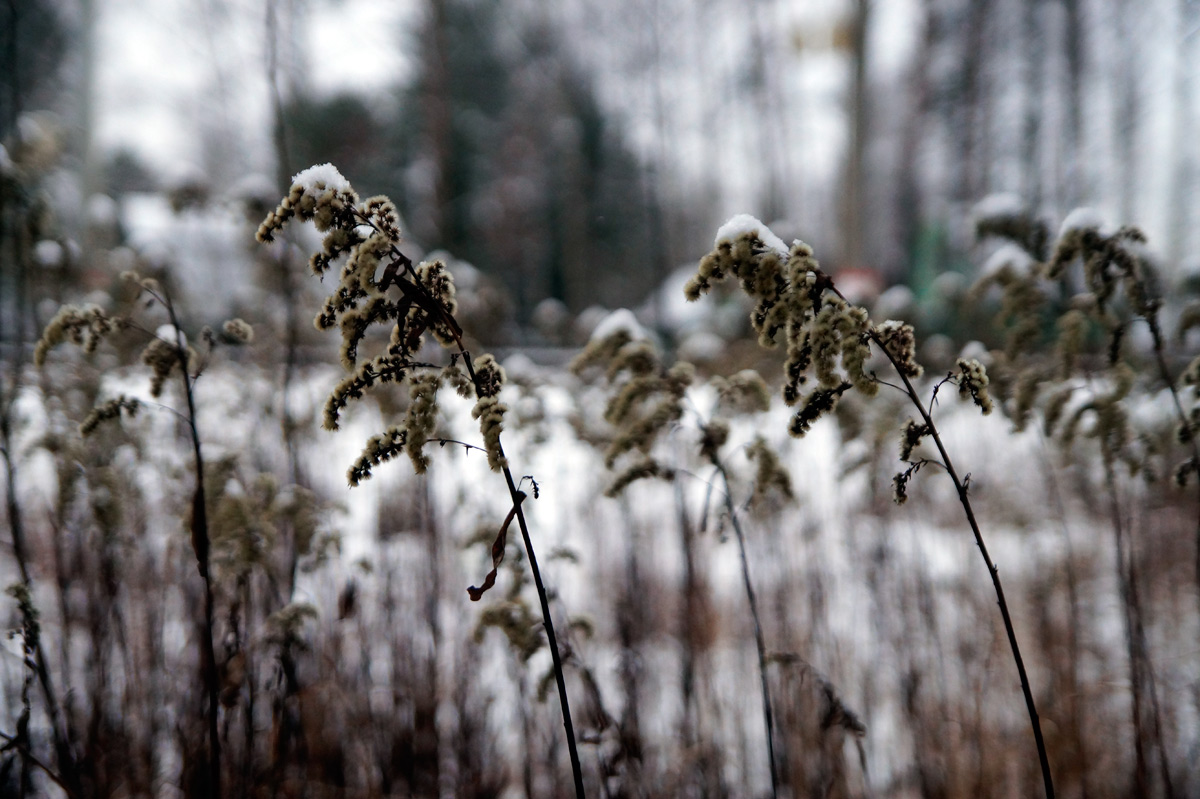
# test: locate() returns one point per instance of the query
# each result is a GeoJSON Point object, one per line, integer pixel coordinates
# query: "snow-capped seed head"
{"type": "Point", "coordinates": [742, 224]}
{"type": "Point", "coordinates": [319, 193]}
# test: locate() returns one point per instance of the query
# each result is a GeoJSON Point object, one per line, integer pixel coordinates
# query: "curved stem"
{"type": "Point", "coordinates": [200, 544]}
{"type": "Point", "coordinates": [414, 290]}
{"type": "Point", "coordinates": [1185, 424]}
{"type": "Point", "coordinates": [993, 570]}
{"type": "Point", "coordinates": [547, 619]}
{"type": "Point", "coordinates": [1141, 670]}
{"type": "Point", "coordinates": [759, 640]}
{"type": "Point", "coordinates": [551, 638]}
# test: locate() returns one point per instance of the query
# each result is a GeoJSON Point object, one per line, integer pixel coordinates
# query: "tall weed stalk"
{"type": "Point", "coordinates": [648, 402]}
{"type": "Point", "coordinates": [367, 235]}
{"type": "Point", "coordinates": [799, 303]}
{"type": "Point", "coordinates": [1091, 382]}
{"type": "Point", "coordinates": [166, 354]}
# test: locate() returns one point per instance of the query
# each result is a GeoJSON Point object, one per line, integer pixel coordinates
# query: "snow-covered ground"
{"type": "Point", "coordinates": [835, 579]}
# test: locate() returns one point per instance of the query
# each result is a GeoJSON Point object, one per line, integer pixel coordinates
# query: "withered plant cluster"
{"type": "Point", "coordinates": [185, 618]}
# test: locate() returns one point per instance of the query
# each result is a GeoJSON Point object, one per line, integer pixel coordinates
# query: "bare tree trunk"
{"type": "Point", "coordinates": [1186, 174]}
{"type": "Point", "coordinates": [975, 110]}
{"type": "Point", "coordinates": [439, 131]}
{"type": "Point", "coordinates": [1128, 107]}
{"type": "Point", "coordinates": [854, 197]}
{"type": "Point", "coordinates": [908, 207]}
{"type": "Point", "coordinates": [1074, 45]}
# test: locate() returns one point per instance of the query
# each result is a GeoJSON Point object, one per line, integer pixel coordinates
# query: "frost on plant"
{"type": "Point", "coordinates": [364, 236]}
{"type": "Point", "coordinates": [648, 399]}
{"type": "Point", "coordinates": [1078, 297]}
{"type": "Point", "coordinates": [827, 339]}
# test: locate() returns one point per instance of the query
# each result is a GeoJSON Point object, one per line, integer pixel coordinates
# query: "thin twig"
{"type": "Point", "coordinates": [993, 571]}
{"type": "Point", "coordinates": [759, 640]}
{"type": "Point", "coordinates": [413, 288]}
{"type": "Point", "coordinates": [1185, 424]}
{"type": "Point", "coordinates": [200, 544]}
{"type": "Point", "coordinates": [32, 758]}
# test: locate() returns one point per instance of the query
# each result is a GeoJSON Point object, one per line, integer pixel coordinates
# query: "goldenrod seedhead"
{"type": "Point", "coordinates": [900, 341]}
{"type": "Point", "coordinates": [379, 449]}
{"type": "Point", "coordinates": [286, 625]}
{"type": "Point", "coordinates": [109, 410]}
{"type": "Point", "coordinates": [438, 281]}
{"type": "Point", "coordinates": [238, 331]}
{"type": "Point", "coordinates": [712, 437]}
{"type": "Point", "coordinates": [1024, 395]}
{"type": "Point", "coordinates": [641, 470]}
{"type": "Point", "coordinates": [384, 369]}
{"type": "Point", "coordinates": [459, 380]}
{"type": "Point", "coordinates": [744, 392]}
{"type": "Point", "coordinates": [489, 376]}
{"type": "Point", "coordinates": [1108, 261]}
{"type": "Point", "coordinates": [794, 298]}
{"type": "Point", "coordinates": [163, 357]}
{"type": "Point", "coordinates": [910, 438]}
{"type": "Point", "coordinates": [355, 321]}
{"type": "Point", "coordinates": [490, 413]}
{"type": "Point", "coordinates": [601, 351]}
{"type": "Point", "coordinates": [973, 382]}
{"type": "Point", "coordinates": [1055, 406]}
{"type": "Point", "coordinates": [772, 483]}
{"type": "Point", "coordinates": [319, 194]}
{"type": "Point", "coordinates": [818, 403]}
{"type": "Point", "coordinates": [421, 419]}
{"type": "Point", "coordinates": [85, 326]}
{"type": "Point", "coordinates": [367, 236]}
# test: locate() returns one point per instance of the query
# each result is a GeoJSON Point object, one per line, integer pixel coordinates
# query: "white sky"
{"type": "Point", "coordinates": [169, 69]}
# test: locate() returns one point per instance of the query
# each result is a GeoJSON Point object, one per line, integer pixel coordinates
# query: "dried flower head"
{"type": "Point", "coordinates": [85, 326]}
{"type": "Point", "coordinates": [365, 237]}
{"type": "Point", "coordinates": [107, 411]}
{"type": "Point", "coordinates": [319, 194]}
{"type": "Point", "coordinates": [238, 331]}
{"type": "Point", "coordinates": [823, 332]}
{"type": "Point", "coordinates": [743, 392]}
{"type": "Point", "coordinates": [420, 422]}
{"type": "Point", "coordinates": [900, 341]}
{"type": "Point", "coordinates": [772, 483]}
{"type": "Point", "coordinates": [379, 449]}
{"type": "Point", "coordinates": [644, 469]}
{"type": "Point", "coordinates": [973, 382]}
{"type": "Point", "coordinates": [910, 438]}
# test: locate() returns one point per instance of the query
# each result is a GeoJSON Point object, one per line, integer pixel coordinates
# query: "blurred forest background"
{"type": "Point", "coordinates": [581, 151]}
{"type": "Point", "coordinates": [569, 158]}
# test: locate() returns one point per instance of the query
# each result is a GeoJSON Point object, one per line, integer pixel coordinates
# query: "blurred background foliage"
{"type": "Point", "coordinates": [581, 152]}
{"type": "Point", "coordinates": [572, 157]}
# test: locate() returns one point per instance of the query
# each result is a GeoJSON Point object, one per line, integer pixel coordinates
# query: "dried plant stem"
{"type": "Point", "coordinates": [14, 741]}
{"type": "Point", "coordinates": [1074, 626]}
{"type": "Point", "coordinates": [759, 641]}
{"type": "Point", "coordinates": [1185, 424]}
{"type": "Point", "coordinates": [413, 284]}
{"type": "Point", "coordinates": [690, 620]}
{"type": "Point", "coordinates": [547, 622]}
{"type": "Point", "coordinates": [200, 544]}
{"type": "Point", "coordinates": [62, 745]}
{"type": "Point", "coordinates": [283, 273]}
{"type": "Point", "coordinates": [1140, 669]}
{"type": "Point", "coordinates": [10, 230]}
{"type": "Point", "coordinates": [993, 571]}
